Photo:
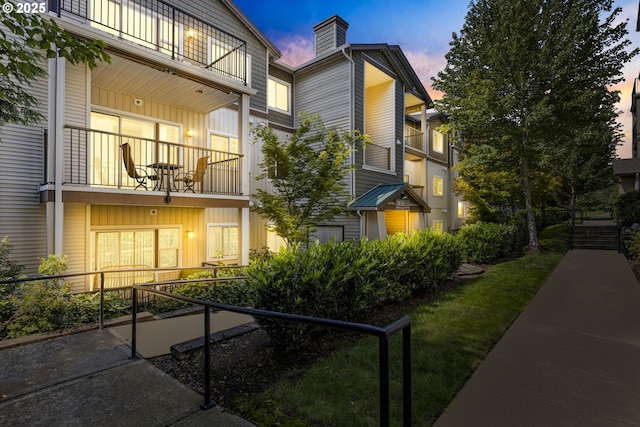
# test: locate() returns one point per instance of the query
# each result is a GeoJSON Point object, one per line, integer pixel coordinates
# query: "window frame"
{"type": "Point", "coordinates": [438, 136]}
{"type": "Point", "coordinates": [438, 190]}
{"type": "Point", "coordinates": [224, 225]}
{"type": "Point", "coordinates": [277, 82]}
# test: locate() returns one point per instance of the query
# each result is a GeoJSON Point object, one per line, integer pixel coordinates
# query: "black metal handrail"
{"type": "Point", "coordinates": [167, 29]}
{"type": "Point", "coordinates": [95, 159]}
{"type": "Point", "coordinates": [102, 289]}
{"type": "Point", "coordinates": [381, 333]}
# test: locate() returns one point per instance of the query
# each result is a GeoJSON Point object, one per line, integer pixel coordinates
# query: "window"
{"type": "Point", "coordinates": [278, 95]}
{"type": "Point", "coordinates": [148, 248]}
{"type": "Point", "coordinates": [222, 241]}
{"type": "Point", "coordinates": [460, 209]}
{"type": "Point", "coordinates": [226, 144]}
{"type": "Point", "coordinates": [106, 156]}
{"type": "Point", "coordinates": [132, 21]}
{"type": "Point", "coordinates": [438, 142]}
{"type": "Point", "coordinates": [438, 184]}
{"type": "Point", "coordinates": [437, 226]}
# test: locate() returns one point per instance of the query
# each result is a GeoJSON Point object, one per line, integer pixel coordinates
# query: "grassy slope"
{"type": "Point", "coordinates": [450, 338]}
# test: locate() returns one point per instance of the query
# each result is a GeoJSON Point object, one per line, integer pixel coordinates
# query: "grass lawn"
{"type": "Point", "coordinates": [450, 337]}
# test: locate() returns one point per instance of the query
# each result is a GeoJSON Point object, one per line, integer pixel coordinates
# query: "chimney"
{"type": "Point", "coordinates": [330, 34]}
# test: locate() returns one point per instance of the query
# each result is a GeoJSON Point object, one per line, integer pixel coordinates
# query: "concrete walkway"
{"type": "Point", "coordinates": [89, 379]}
{"type": "Point", "coordinates": [572, 358]}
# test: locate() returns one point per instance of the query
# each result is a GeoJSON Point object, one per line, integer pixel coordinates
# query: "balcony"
{"type": "Point", "coordinates": [377, 156]}
{"type": "Point", "coordinates": [414, 143]}
{"type": "Point", "coordinates": [171, 31]}
{"type": "Point", "coordinates": [122, 162]}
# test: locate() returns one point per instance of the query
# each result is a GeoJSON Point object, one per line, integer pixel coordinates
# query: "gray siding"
{"type": "Point", "coordinates": [276, 116]}
{"type": "Point", "coordinates": [324, 89]}
{"type": "Point", "coordinates": [22, 217]}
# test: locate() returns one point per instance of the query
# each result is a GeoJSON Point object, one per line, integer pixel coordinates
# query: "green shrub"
{"type": "Point", "coordinates": [483, 241]}
{"type": "Point", "coordinates": [41, 305]}
{"type": "Point", "coordinates": [8, 270]}
{"type": "Point", "coordinates": [236, 292]}
{"type": "Point", "coordinates": [85, 308]}
{"type": "Point", "coordinates": [627, 209]}
{"type": "Point", "coordinates": [633, 245]}
{"type": "Point", "coordinates": [347, 280]}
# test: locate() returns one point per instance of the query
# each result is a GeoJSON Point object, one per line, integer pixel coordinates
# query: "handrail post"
{"type": "Point", "coordinates": [385, 415]}
{"type": "Point", "coordinates": [208, 402]}
{"type": "Point", "coordinates": [406, 376]}
{"type": "Point", "coordinates": [101, 301]}
{"type": "Point", "coordinates": [134, 318]}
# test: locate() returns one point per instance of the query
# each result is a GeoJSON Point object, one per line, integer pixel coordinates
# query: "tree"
{"type": "Point", "coordinates": [308, 174]}
{"type": "Point", "coordinates": [26, 40]}
{"type": "Point", "coordinates": [524, 76]}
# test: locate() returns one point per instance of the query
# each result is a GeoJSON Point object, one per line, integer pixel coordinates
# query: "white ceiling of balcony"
{"type": "Point", "coordinates": [151, 84]}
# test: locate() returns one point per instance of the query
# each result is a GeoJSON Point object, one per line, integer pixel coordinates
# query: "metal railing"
{"type": "Point", "coordinates": [124, 289]}
{"type": "Point", "coordinates": [164, 28]}
{"type": "Point", "coordinates": [96, 158]}
{"type": "Point", "coordinates": [414, 138]}
{"type": "Point", "coordinates": [162, 289]}
{"type": "Point", "coordinates": [383, 335]}
{"type": "Point", "coordinates": [377, 156]}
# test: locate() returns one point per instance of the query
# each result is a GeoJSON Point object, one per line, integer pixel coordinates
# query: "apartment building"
{"type": "Point", "coordinates": [149, 161]}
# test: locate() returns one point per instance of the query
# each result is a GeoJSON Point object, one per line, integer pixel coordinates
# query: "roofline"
{"type": "Point", "coordinates": [256, 32]}
{"type": "Point", "coordinates": [402, 64]}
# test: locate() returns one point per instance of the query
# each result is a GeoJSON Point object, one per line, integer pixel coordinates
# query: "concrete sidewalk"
{"type": "Point", "coordinates": [572, 358]}
{"type": "Point", "coordinates": [89, 379]}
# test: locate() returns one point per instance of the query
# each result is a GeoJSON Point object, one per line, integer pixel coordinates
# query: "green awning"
{"type": "Point", "coordinates": [399, 196]}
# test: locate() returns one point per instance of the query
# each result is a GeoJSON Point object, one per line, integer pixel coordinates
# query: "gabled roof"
{"type": "Point", "coordinates": [274, 52]}
{"type": "Point", "coordinates": [401, 66]}
{"type": "Point", "coordinates": [383, 197]}
{"type": "Point", "coordinates": [623, 167]}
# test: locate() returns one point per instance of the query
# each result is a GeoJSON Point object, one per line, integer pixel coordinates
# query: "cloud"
{"type": "Point", "coordinates": [296, 50]}
{"type": "Point", "coordinates": [427, 66]}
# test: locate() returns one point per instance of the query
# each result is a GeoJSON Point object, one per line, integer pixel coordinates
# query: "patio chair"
{"type": "Point", "coordinates": [191, 178]}
{"type": "Point", "coordinates": [139, 174]}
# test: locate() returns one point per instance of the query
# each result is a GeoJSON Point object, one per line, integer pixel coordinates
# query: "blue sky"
{"type": "Point", "coordinates": [422, 28]}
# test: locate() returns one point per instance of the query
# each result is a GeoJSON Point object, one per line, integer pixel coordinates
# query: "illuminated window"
{"type": "Point", "coordinates": [438, 142]}
{"type": "Point", "coordinates": [460, 209]}
{"type": "Point", "coordinates": [438, 186]}
{"type": "Point", "coordinates": [148, 248]}
{"type": "Point", "coordinates": [278, 95]}
{"type": "Point", "coordinates": [222, 241]}
{"type": "Point", "coordinates": [226, 144]}
{"type": "Point", "coordinates": [438, 226]}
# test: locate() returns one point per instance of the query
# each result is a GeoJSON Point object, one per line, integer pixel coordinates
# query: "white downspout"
{"type": "Point", "coordinates": [352, 180]}
{"type": "Point", "coordinates": [59, 156]}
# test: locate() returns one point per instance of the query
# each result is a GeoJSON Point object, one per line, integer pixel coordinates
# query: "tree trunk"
{"type": "Point", "coordinates": [531, 215]}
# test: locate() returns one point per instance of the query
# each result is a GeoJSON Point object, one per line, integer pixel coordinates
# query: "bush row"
{"type": "Point", "coordinates": [481, 242]}
{"type": "Point", "coordinates": [347, 280]}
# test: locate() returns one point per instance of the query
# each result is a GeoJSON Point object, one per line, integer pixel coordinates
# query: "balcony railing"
{"type": "Point", "coordinates": [377, 156]}
{"type": "Point", "coordinates": [414, 138]}
{"type": "Point", "coordinates": [109, 160]}
{"type": "Point", "coordinates": [166, 29]}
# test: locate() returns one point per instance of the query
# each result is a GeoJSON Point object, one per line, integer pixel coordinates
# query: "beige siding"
{"type": "Point", "coordinates": [379, 114]}
{"type": "Point", "coordinates": [190, 219]}
{"type": "Point", "coordinates": [224, 121]}
{"type": "Point", "coordinates": [101, 97]}
{"type": "Point", "coordinates": [75, 243]}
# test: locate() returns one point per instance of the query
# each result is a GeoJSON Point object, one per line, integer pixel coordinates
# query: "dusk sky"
{"type": "Point", "coordinates": [422, 28]}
